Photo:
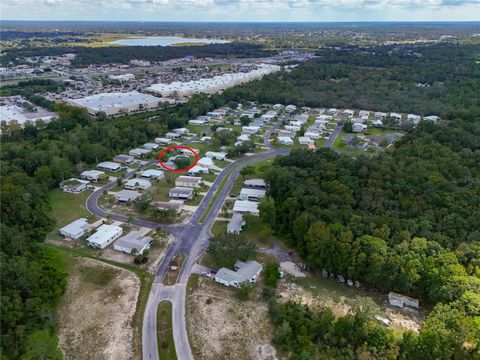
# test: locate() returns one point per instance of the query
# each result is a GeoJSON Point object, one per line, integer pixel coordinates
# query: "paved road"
{"type": "Point", "coordinates": [336, 131]}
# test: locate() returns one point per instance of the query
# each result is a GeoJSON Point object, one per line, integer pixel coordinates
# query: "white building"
{"type": "Point", "coordinates": [163, 141]}
{"type": "Point", "coordinates": [124, 196]}
{"type": "Point", "coordinates": [117, 103]}
{"type": "Point", "coordinates": [251, 194]}
{"type": "Point", "coordinates": [74, 186]}
{"type": "Point", "coordinates": [138, 152]}
{"type": "Point", "coordinates": [250, 130]}
{"type": "Point", "coordinates": [244, 272]}
{"type": "Point", "coordinates": [181, 193]}
{"type": "Point", "coordinates": [285, 140]}
{"type": "Point", "coordinates": [312, 134]}
{"type": "Point", "coordinates": [75, 229]}
{"type": "Point", "coordinates": [358, 127]}
{"type": "Point", "coordinates": [152, 174]}
{"type": "Point", "coordinates": [293, 128]}
{"type": "Point", "coordinates": [171, 135]}
{"type": "Point", "coordinates": [197, 122]}
{"type": "Point", "coordinates": [349, 112]}
{"type": "Point", "coordinates": [122, 77]}
{"type": "Point", "coordinates": [123, 159]}
{"type": "Point", "coordinates": [303, 140]}
{"type": "Point", "coordinates": [109, 166]}
{"type": "Point", "coordinates": [256, 184]}
{"type": "Point", "coordinates": [206, 162]}
{"type": "Point", "coordinates": [216, 155]}
{"type": "Point", "coordinates": [135, 184]}
{"type": "Point", "coordinates": [188, 181]}
{"type": "Point", "coordinates": [151, 146]}
{"type": "Point", "coordinates": [133, 240]}
{"type": "Point", "coordinates": [105, 235]}
{"type": "Point", "coordinates": [92, 175]}
{"type": "Point", "coordinates": [196, 170]}
{"type": "Point", "coordinates": [245, 206]}
{"type": "Point", "coordinates": [235, 224]}
{"type": "Point", "coordinates": [181, 131]}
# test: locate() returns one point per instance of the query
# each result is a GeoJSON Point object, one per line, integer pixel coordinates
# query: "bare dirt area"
{"type": "Point", "coordinates": [223, 327]}
{"type": "Point", "coordinates": [97, 311]}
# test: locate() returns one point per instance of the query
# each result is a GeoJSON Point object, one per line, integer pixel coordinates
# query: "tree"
{"type": "Point", "coordinates": [243, 291]}
{"type": "Point", "coordinates": [182, 162]}
{"type": "Point", "coordinates": [225, 249]}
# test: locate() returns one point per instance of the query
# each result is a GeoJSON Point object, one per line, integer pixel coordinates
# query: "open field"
{"type": "Point", "coordinates": [166, 344]}
{"type": "Point", "coordinates": [97, 311]}
{"type": "Point", "coordinates": [222, 327]}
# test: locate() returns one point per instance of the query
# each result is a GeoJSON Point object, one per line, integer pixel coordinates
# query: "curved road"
{"type": "Point", "coordinates": [190, 238]}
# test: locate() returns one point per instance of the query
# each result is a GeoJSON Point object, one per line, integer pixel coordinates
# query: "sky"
{"type": "Point", "coordinates": [242, 10]}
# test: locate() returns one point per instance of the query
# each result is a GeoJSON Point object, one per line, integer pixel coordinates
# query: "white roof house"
{"type": "Point", "coordinates": [133, 240]}
{"type": "Point", "coordinates": [305, 140]}
{"type": "Point", "coordinates": [138, 152]}
{"type": "Point", "coordinates": [181, 193]}
{"type": "Point", "coordinates": [216, 155]}
{"type": "Point", "coordinates": [358, 127]}
{"type": "Point", "coordinates": [182, 131]}
{"type": "Point", "coordinates": [92, 175]}
{"type": "Point", "coordinates": [414, 118]}
{"type": "Point", "coordinates": [364, 114]}
{"type": "Point", "coordinates": [285, 140]}
{"type": "Point", "coordinates": [153, 174]}
{"type": "Point", "coordinates": [432, 118]}
{"type": "Point", "coordinates": [311, 134]}
{"type": "Point", "coordinates": [127, 195]}
{"type": "Point", "coordinates": [188, 181]}
{"type": "Point", "coordinates": [251, 194]}
{"type": "Point", "coordinates": [151, 146]}
{"type": "Point", "coordinates": [245, 206]}
{"type": "Point", "coordinates": [377, 123]}
{"type": "Point", "coordinates": [244, 272]}
{"type": "Point", "coordinates": [206, 162]}
{"type": "Point", "coordinates": [250, 129]}
{"type": "Point", "coordinates": [243, 137]}
{"type": "Point", "coordinates": [109, 166]}
{"type": "Point", "coordinates": [380, 114]}
{"type": "Point", "coordinates": [74, 186]}
{"type": "Point", "coordinates": [163, 141]}
{"type": "Point", "coordinates": [197, 170]}
{"type": "Point", "coordinates": [349, 112]}
{"type": "Point", "coordinates": [75, 229]}
{"type": "Point", "coordinates": [256, 183]}
{"type": "Point", "coordinates": [137, 183]}
{"type": "Point", "coordinates": [197, 122]}
{"type": "Point", "coordinates": [105, 235]}
{"type": "Point", "coordinates": [293, 128]}
{"type": "Point", "coordinates": [172, 135]}
{"type": "Point", "coordinates": [290, 108]}
{"type": "Point", "coordinates": [396, 116]}
{"type": "Point", "coordinates": [122, 158]}
{"type": "Point", "coordinates": [235, 224]}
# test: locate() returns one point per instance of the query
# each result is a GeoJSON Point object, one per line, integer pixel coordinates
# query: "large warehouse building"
{"type": "Point", "coordinates": [211, 85]}
{"type": "Point", "coordinates": [117, 103]}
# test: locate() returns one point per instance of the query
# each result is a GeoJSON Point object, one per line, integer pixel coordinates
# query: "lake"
{"type": "Point", "coordinates": [165, 41]}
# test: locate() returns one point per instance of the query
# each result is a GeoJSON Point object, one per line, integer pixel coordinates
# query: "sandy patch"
{"type": "Point", "coordinates": [222, 327]}
{"type": "Point", "coordinates": [97, 310]}
{"type": "Point", "coordinates": [290, 268]}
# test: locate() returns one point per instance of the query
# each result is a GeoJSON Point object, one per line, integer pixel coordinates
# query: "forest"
{"type": "Point", "coordinates": [383, 78]}
{"type": "Point", "coordinates": [123, 54]}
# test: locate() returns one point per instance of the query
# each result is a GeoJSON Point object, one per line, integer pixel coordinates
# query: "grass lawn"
{"type": "Point", "coordinates": [67, 207]}
{"type": "Point", "coordinates": [380, 131]}
{"type": "Point", "coordinates": [171, 276]}
{"type": "Point", "coordinates": [257, 232]}
{"type": "Point", "coordinates": [166, 344]}
{"type": "Point", "coordinates": [219, 227]}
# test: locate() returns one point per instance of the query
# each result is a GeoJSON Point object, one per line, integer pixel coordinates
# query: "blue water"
{"type": "Point", "coordinates": [165, 41]}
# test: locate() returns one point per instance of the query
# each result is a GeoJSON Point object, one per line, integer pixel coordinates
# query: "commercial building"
{"type": "Point", "coordinates": [117, 103]}
{"type": "Point", "coordinates": [244, 272]}
{"type": "Point", "coordinates": [13, 113]}
{"type": "Point", "coordinates": [134, 240]}
{"type": "Point", "coordinates": [211, 85]}
{"type": "Point", "coordinates": [75, 229]}
{"type": "Point", "coordinates": [105, 235]}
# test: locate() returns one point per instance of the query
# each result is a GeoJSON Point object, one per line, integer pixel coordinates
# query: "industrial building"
{"type": "Point", "coordinates": [117, 103]}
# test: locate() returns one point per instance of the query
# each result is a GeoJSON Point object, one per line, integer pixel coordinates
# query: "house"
{"type": "Point", "coordinates": [75, 229]}
{"type": "Point", "coordinates": [312, 134]}
{"type": "Point", "coordinates": [400, 301]}
{"type": "Point", "coordinates": [358, 127]}
{"type": "Point", "coordinates": [380, 115]}
{"type": "Point", "coordinates": [152, 174]}
{"type": "Point", "coordinates": [396, 116]}
{"type": "Point", "coordinates": [292, 128]}
{"type": "Point", "coordinates": [303, 140]}
{"type": "Point", "coordinates": [349, 112]}
{"type": "Point", "coordinates": [290, 108]}
{"type": "Point", "coordinates": [187, 152]}
{"type": "Point", "coordinates": [123, 159]}
{"type": "Point", "coordinates": [277, 106]}
{"type": "Point", "coordinates": [181, 193]}
{"type": "Point", "coordinates": [134, 240]}
{"type": "Point", "coordinates": [243, 137]}
{"type": "Point", "coordinates": [245, 206]}
{"type": "Point", "coordinates": [174, 205]}
{"type": "Point", "coordinates": [181, 131]}
{"type": "Point", "coordinates": [92, 175]}
{"type": "Point", "coordinates": [377, 123]}
{"type": "Point", "coordinates": [206, 139]}
{"type": "Point", "coordinates": [235, 224]}
{"type": "Point", "coordinates": [255, 184]}
{"type": "Point", "coordinates": [151, 146]}
{"type": "Point", "coordinates": [197, 122]}
{"type": "Point", "coordinates": [172, 135]}
{"type": "Point", "coordinates": [365, 114]}
{"type": "Point", "coordinates": [135, 184]}
{"type": "Point", "coordinates": [206, 162]}
{"type": "Point", "coordinates": [188, 181]}
{"type": "Point", "coordinates": [250, 130]}
{"type": "Point", "coordinates": [333, 111]}
{"type": "Point", "coordinates": [251, 194]}
{"type": "Point", "coordinates": [109, 166]}
{"type": "Point", "coordinates": [124, 196]}
{"type": "Point", "coordinates": [197, 170]}
{"type": "Point", "coordinates": [358, 120]}
{"type": "Point", "coordinates": [74, 186]}
{"type": "Point", "coordinates": [105, 235]}
{"type": "Point", "coordinates": [220, 129]}
{"type": "Point", "coordinates": [324, 118]}
{"type": "Point", "coordinates": [138, 152]}
{"type": "Point", "coordinates": [162, 141]}
{"type": "Point", "coordinates": [414, 118]}
{"type": "Point", "coordinates": [216, 155]}
{"type": "Point", "coordinates": [285, 140]}
{"type": "Point", "coordinates": [244, 272]}
{"type": "Point", "coordinates": [311, 146]}
{"type": "Point", "coordinates": [286, 133]}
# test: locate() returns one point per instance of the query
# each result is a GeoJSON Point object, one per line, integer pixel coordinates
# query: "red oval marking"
{"type": "Point", "coordinates": [160, 156]}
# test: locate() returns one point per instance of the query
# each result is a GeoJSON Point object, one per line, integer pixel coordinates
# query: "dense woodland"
{"type": "Point", "coordinates": [123, 54]}
{"type": "Point", "coordinates": [406, 220]}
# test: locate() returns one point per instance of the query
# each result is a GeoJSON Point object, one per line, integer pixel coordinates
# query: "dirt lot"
{"type": "Point", "coordinates": [97, 310]}
{"type": "Point", "coordinates": [223, 327]}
